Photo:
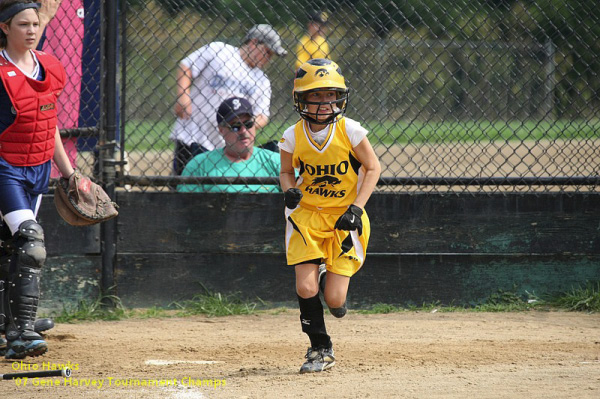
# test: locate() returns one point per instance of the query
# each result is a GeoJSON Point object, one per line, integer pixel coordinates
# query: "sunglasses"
{"type": "Point", "coordinates": [236, 127]}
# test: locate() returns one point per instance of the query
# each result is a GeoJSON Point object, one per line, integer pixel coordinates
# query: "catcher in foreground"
{"type": "Point", "coordinates": [30, 83]}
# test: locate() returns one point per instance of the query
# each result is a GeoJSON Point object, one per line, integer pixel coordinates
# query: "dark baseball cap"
{"type": "Point", "coordinates": [319, 17]}
{"type": "Point", "coordinates": [266, 34]}
{"type": "Point", "coordinates": [232, 108]}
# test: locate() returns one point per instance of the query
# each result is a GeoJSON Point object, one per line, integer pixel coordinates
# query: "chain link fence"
{"type": "Point", "coordinates": [477, 96]}
{"type": "Point", "coordinates": [74, 37]}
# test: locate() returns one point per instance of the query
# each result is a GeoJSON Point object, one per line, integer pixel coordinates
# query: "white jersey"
{"type": "Point", "coordinates": [218, 73]}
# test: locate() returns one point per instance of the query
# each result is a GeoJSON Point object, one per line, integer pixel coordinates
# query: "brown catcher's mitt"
{"type": "Point", "coordinates": [82, 202]}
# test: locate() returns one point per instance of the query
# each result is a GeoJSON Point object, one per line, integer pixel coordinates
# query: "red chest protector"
{"type": "Point", "coordinates": [29, 141]}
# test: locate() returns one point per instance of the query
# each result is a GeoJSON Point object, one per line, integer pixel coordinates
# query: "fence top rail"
{"type": "Point", "coordinates": [383, 181]}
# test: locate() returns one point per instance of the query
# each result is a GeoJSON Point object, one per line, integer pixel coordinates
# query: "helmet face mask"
{"type": "Point", "coordinates": [336, 107]}
{"type": "Point", "coordinates": [320, 75]}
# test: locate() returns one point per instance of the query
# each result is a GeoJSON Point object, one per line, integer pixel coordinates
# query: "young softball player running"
{"type": "Point", "coordinates": [326, 223]}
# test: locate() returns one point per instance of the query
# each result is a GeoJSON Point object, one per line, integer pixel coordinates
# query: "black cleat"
{"type": "Point", "coordinates": [39, 326]}
{"type": "Point", "coordinates": [42, 325]}
{"type": "Point", "coordinates": [317, 360]}
{"type": "Point", "coordinates": [21, 348]}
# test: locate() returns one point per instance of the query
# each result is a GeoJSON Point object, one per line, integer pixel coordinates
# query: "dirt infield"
{"type": "Point", "coordinates": [483, 159]}
{"type": "Point", "coordinates": [405, 355]}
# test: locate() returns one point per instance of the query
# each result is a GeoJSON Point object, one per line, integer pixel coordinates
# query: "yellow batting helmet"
{"type": "Point", "coordinates": [317, 75]}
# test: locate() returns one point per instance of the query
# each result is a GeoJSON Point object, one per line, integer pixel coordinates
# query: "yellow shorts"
{"type": "Point", "coordinates": [310, 234]}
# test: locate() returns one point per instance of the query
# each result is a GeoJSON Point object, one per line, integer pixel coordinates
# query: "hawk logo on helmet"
{"type": "Point", "coordinates": [317, 75]}
{"type": "Point", "coordinates": [321, 72]}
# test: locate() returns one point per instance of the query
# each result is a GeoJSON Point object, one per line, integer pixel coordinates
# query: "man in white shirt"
{"type": "Point", "coordinates": [210, 75]}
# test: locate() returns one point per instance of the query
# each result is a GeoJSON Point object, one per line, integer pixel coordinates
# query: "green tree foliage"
{"type": "Point", "coordinates": [173, 7]}
{"type": "Point", "coordinates": [553, 44]}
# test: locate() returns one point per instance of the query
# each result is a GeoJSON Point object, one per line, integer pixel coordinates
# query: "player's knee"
{"type": "Point", "coordinates": [334, 299]}
{"type": "Point", "coordinates": [306, 289]}
{"type": "Point", "coordinates": [31, 249]}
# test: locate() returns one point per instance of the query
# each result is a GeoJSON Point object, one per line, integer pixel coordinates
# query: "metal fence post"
{"type": "Point", "coordinates": [107, 143]}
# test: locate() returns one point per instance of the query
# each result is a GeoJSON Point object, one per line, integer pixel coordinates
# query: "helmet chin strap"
{"type": "Point", "coordinates": [301, 107]}
{"type": "Point", "coordinates": [313, 117]}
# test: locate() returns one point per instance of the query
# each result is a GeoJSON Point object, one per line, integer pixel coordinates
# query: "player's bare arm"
{"type": "Point", "coordinates": [46, 12]}
{"type": "Point", "coordinates": [287, 176]}
{"type": "Point", "coordinates": [183, 104]}
{"type": "Point", "coordinates": [60, 157]}
{"type": "Point", "coordinates": [368, 159]}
